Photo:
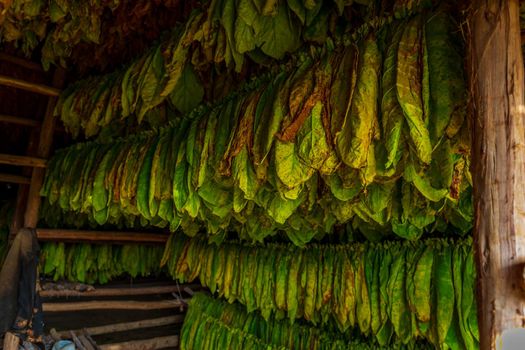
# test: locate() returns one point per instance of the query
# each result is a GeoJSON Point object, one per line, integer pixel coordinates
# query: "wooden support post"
{"type": "Point", "coordinates": [44, 149]}
{"type": "Point", "coordinates": [498, 170]}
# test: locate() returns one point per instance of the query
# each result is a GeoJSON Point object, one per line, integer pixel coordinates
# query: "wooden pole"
{"type": "Point", "coordinates": [11, 159]}
{"type": "Point", "coordinates": [11, 119]}
{"type": "Point", "coordinates": [100, 236]}
{"type": "Point", "coordinates": [15, 179]}
{"type": "Point", "coordinates": [44, 149]}
{"type": "Point", "coordinates": [110, 292]}
{"type": "Point", "coordinates": [171, 341]}
{"type": "Point", "coordinates": [497, 86]}
{"type": "Point", "coordinates": [127, 326]}
{"type": "Point", "coordinates": [113, 305]}
{"type": "Point", "coordinates": [28, 86]}
{"type": "Point", "coordinates": [21, 62]}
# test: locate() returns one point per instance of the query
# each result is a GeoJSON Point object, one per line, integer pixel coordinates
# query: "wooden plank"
{"type": "Point", "coordinates": [149, 344]}
{"type": "Point", "coordinates": [498, 166]}
{"type": "Point", "coordinates": [110, 292]}
{"type": "Point", "coordinates": [127, 326]}
{"type": "Point", "coordinates": [14, 179]}
{"type": "Point", "coordinates": [44, 149]}
{"type": "Point", "coordinates": [22, 160]}
{"type": "Point", "coordinates": [28, 86]}
{"type": "Point", "coordinates": [21, 62]}
{"type": "Point", "coordinates": [45, 234]}
{"type": "Point", "coordinates": [113, 305]}
{"type": "Point", "coordinates": [11, 119]}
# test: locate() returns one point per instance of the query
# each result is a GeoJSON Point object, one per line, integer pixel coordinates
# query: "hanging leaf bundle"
{"type": "Point", "coordinates": [212, 323]}
{"type": "Point", "coordinates": [90, 263]}
{"type": "Point", "coordinates": [299, 151]}
{"type": "Point", "coordinates": [402, 291]}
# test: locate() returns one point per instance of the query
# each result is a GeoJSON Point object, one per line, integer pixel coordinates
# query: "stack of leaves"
{"type": "Point", "coordinates": [87, 263]}
{"type": "Point", "coordinates": [307, 149]}
{"type": "Point", "coordinates": [212, 323]}
{"type": "Point", "coordinates": [403, 291]}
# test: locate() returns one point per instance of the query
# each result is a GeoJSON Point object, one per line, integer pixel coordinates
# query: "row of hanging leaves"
{"type": "Point", "coordinates": [212, 323]}
{"type": "Point", "coordinates": [372, 133]}
{"type": "Point", "coordinates": [394, 292]}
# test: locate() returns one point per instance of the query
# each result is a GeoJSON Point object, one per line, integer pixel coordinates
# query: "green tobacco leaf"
{"type": "Point", "coordinates": [188, 91]}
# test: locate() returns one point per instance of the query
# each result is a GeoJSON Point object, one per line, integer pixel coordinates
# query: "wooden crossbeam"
{"type": "Point", "coordinates": [21, 62]}
{"type": "Point", "coordinates": [113, 305]}
{"type": "Point", "coordinates": [171, 341]}
{"type": "Point", "coordinates": [44, 234]}
{"type": "Point", "coordinates": [27, 86]}
{"type": "Point", "coordinates": [15, 179]}
{"type": "Point", "coordinates": [22, 161]}
{"type": "Point", "coordinates": [19, 121]}
{"type": "Point", "coordinates": [110, 292]}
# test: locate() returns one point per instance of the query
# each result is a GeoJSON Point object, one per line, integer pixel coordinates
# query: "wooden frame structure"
{"type": "Point", "coordinates": [497, 86]}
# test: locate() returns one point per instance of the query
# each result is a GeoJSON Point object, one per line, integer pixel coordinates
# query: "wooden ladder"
{"type": "Point", "coordinates": [28, 197]}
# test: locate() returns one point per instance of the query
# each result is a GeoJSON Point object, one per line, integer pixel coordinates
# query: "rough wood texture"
{"type": "Point", "coordinates": [21, 62]}
{"type": "Point", "coordinates": [44, 149]}
{"type": "Point", "coordinates": [11, 341]}
{"type": "Point", "coordinates": [14, 179]}
{"type": "Point", "coordinates": [147, 344]}
{"type": "Point", "coordinates": [113, 305]}
{"type": "Point", "coordinates": [22, 160]}
{"type": "Point", "coordinates": [107, 292]}
{"type": "Point", "coordinates": [19, 121]}
{"type": "Point", "coordinates": [128, 326]}
{"type": "Point", "coordinates": [28, 86]}
{"type": "Point", "coordinates": [100, 236]}
{"type": "Point", "coordinates": [497, 85]}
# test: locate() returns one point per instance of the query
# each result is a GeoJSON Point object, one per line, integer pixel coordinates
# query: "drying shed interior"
{"type": "Point", "coordinates": [267, 174]}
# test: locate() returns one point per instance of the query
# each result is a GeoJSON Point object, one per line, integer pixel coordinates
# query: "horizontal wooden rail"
{"type": "Point", "coordinates": [127, 326]}
{"type": "Point", "coordinates": [113, 305]}
{"type": "Point", "coordinates": [22, 160]}
{"type": "Point", "coordinates": [21, 62]}
{"type": "Point", "coordinates": [45, 234]}
{"type": "Point", "coordinates": [171, 341]}
{"type": "Point", "coordinates": [15, 179]}
{"type": "Point", "coordinates": [111, 292]}
{"type": "Point", "coordinates": [19, 121]}
{"type": "Point", "coordinates": [27, 86]}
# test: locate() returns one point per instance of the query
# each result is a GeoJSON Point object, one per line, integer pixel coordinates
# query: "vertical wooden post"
{"type": "Point", "coordinates": [498, 170]}
{"type": "Point", "coordinates": [44, 148]}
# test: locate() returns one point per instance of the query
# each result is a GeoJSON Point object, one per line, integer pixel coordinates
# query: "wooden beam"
{"type": "Point", "coordinates": [27, 86]}
{"type": "Point", "coordinates": [45, 234]}
{"type": "Point", "coordinates": [21, 62]}
{"type": "Point", "coordinates": [15, 179]}
{"type": "Point", "coordinates": [19, 121]}
{"type": "Point", "coordinates": [44, 149]}
{"type": "Point", "coordinates": [110, 292]}
{"type": "Point", "coordinates": [127, 326]}
{"type": "Point", "coordinates": [113, 305]}
{"type": "Point", "coordinates": [22, 160]}
{"type": "Point", "coordinates": [171, 341]}
{"type": "Point", "coordinates": [498, 165]}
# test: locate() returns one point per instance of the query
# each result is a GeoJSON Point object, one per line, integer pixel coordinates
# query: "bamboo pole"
{"type": "Point", "coordinates": [149, 344]}
{"type": "Point", "coordinates": [127, 326]}
{"type": "Point", "coordinates": [19, 121]}
{"type": "Point", "coordinates": [15, 179]}
{"type": "Point", "coordinates": [100, 236]}
{"type": "Point", "coordinates": [28, 86]}
{"type": "Point", "coordinates": [113, 305]}
{"type": "Point", "coordinates": [497, 85]}
{"type": "Point", "coordinates": [22, 160]}
{"type": "Point", "coordinates": [44, 149]}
